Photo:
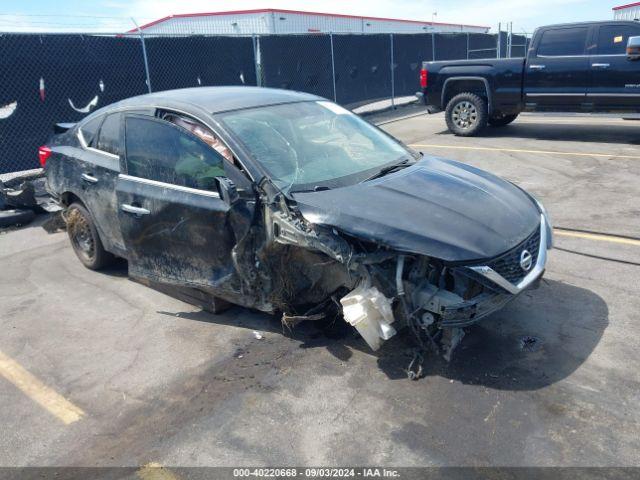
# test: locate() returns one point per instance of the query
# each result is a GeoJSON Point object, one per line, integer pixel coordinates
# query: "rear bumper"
{"type": "Point", "coordinates": [423, 96]}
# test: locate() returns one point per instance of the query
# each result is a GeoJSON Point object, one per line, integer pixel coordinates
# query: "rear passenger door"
{"type": "Point", "coordinates": [556, 71]}
{"type": "Point", "coordinates": [173, 222]}
{"type": "Point", "coordinates": [99, 167]}
{"type": "Point", "coordinates": [615, 80]}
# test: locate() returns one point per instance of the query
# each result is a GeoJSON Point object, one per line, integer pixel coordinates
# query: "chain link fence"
{"type": "Point", "coordinates": [61, 77]}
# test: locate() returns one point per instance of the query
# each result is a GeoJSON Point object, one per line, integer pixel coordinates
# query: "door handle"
{"type": "Point", "coordinates": [135, 210]}
{"type": "Point", "coordinates": [89, 178]}
{"type": "Point", "coordinates": [600, 65]}
{"type": "Point", "coordinates": [537, 67]}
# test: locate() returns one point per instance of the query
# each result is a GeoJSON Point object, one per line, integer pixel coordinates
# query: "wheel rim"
{"type": "Point", "coordinates": [465, 115]}
{"type": "Point", "coordinates": [81, 236]}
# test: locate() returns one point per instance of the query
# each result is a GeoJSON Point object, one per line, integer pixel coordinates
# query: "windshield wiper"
{"type": "Point", "coordinates": [317, 188]}
{"type": "Point", "coordinates": [388, 169]}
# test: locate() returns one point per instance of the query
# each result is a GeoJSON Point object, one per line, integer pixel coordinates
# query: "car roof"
{"type": "Point", "coordinates": [593, 22]}
{"type": "Point", "coordinates": [218, 99]}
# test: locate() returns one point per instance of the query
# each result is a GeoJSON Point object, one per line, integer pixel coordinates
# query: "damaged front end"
{"type": "Point", "coordinates": [315, 271]}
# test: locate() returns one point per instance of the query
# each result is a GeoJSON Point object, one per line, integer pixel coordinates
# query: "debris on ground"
{"type": "Point", "coordinates": [258, 335]}
{"type": "Point", "coordinates": [415, 370]}
{"type": "Point", "coordinates": [22, 197]}
{"type": "Point", "coordinates": [529, 343]}
{"type": "Point", "coordinates": [15, 217]}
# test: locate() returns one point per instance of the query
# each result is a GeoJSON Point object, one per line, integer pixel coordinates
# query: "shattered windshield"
{"type": "Point", "coordinates": [311, 145]}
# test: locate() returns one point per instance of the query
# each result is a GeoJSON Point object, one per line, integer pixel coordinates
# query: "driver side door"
{"type": "Point", "coordinates": [173, 221]}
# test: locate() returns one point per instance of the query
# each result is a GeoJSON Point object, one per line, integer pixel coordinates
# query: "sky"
{"type": "Point", "coordinates": [113, 15]}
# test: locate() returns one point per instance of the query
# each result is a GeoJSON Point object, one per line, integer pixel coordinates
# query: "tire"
{"type": "Point", "coordinates": [502, 121]}
{"type": "Point", "coordinates": [84, 238]}
{"type": "Point", "coordinates": [16, 216]}
{"type": "Point", "coordinates": [466, 114]}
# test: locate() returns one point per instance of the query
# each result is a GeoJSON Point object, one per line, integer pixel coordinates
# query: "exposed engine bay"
{"type": "Point", "coordinates": [309, 271]}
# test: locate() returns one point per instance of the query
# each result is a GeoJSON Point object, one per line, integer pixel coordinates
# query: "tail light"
{"type": "Point", "coordinates": [423, 78]}
{"type": "Point", "coordinates": [44, 153]}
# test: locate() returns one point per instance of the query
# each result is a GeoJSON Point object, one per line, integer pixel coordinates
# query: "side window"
{"type": "Point", "coordinates": [109, 136]}
{"type": "Point", "coordinates": [90, 129]}
{"type": "Point", "coordinates": [563, 41]}
{"type": "Point", "coordinates": [202, 132]}
{"type": "Point", "coordinates": [612, 39]}
{"type": "Point", "coordinates": [159, 150]}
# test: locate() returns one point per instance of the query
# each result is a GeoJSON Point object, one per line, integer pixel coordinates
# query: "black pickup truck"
{"type": "Point", "coordinates": [589, 67]}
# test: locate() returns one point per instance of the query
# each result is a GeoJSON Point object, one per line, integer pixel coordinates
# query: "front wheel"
{"type": "Point", "coordinates": [84, 238]}
{"type": "Point", "coordinates": [502, 121]}
{"type": "Point", "coordinates": [466, 114]}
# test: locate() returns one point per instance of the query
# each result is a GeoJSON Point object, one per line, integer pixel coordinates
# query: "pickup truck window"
{"type": "Point", "coordinates": [612, 39]}
{"type": "Point", "coordinates": [159, 150]}
{"type": "Point", "coordinates": [109, 136]}
{"type": "Point", "coordinates": [558, 42]}
{"type": "Point", "coordinates": [90, 129]}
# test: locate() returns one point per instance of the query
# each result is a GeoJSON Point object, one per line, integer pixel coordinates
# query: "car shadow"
{"type": "Point", "coordinates": [538, 339]}
{"type": "Point", "coordinates": [537, 129]}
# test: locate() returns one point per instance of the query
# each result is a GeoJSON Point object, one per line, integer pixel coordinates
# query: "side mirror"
{"type": "Point", "coordinates": [633, 48]}
{"type": "Point", "coordinates": [227, 190]}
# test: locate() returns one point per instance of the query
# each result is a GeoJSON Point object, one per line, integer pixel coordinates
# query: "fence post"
{"type": "Point", "coordinates": [256, 60]}
{"type": "Point", "coordinates": [499, 40]}
{"type": "Point", "coordinates": [144, 54]}
{"type": "Point", "coordinates": [393, 85]}
{"type": "Point", "coordinates": [333, 69]}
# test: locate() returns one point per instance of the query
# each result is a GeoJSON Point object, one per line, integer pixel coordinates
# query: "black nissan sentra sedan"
{"type": "Point", "coordinates": [286, 202]}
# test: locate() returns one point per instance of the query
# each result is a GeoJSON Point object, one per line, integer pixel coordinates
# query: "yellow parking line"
{"type": "Point", "coordinates": [517, 150]}
{"type": "Point", "coordinates": [54, 403]}
{"type": "Point", "coordinates": [155, 471]}
{"type": "Point", "coordinates": [597, 237]}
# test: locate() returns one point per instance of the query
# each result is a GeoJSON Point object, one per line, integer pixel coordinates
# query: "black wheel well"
{"type": "Point", "coordinates": [67, 198]}
{"type": "Point", "coordinates": [456, 87]}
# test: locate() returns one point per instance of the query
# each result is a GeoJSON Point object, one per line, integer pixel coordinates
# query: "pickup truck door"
{"type": "Point", "coordinates": [615, 80]}
{"type": "Point", "coordinates": [173, 221]}
{"type": "Point", "coordinates": [556, 71]}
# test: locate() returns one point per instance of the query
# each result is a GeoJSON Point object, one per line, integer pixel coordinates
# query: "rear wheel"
{"type": "Point", "coordinates": [84, 238]}
{"type": "Point", "coordinates": [502, 121]}
{"type": "Point", "coordinates": [466, 114]}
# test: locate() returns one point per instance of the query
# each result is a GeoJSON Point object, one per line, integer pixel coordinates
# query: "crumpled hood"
{"type": "Point", "coordinates": [440, 208]}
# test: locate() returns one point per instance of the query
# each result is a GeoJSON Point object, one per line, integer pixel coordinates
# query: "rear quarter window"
{"type": "Point", "coordinates": [89, 130]}
{"type": "Point", "coordinates": [559, 42]}
{"type": "Point", "coordinates": [109, 136]}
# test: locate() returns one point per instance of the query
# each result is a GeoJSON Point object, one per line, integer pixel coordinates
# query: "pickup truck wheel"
{"type": "Point", "coordinates": [466, 114]}
{"type": "Point", "coordinates": [502, 121]}
{"type": "Point", "coordinates": [84, 238]}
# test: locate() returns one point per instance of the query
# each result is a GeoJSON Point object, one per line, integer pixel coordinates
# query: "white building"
{"type": "Point", "coordinates": [630, 11]}
{"type": "Point", "coordinates": [274, 21]}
